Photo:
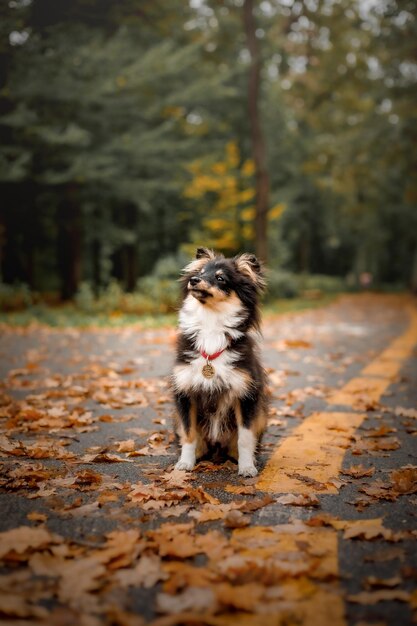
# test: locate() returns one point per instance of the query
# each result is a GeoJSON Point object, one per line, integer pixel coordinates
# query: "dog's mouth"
{"type": "Point", "coordinates": [200, 294]}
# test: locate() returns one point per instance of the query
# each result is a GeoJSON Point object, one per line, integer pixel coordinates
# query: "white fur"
{"type": "Point", "coordinates": [189, 377]}
{"type": "Point", "coordinates": [188, 456]}
{"type": "Point", "coordinates": [218, 431]}
{"type": "Point", "coordinates": [208, 327]}
{"type": "Point", "coordinates": [246, 444]}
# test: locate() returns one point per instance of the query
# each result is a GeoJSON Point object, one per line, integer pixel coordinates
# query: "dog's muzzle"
{"type": "Point", "coordinates": [199, 288]}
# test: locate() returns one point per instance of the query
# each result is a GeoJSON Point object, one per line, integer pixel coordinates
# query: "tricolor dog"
{"type": "Point", "coordinates": [218, 380]}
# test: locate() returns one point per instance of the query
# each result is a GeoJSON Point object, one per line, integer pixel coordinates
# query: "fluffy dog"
{"type": "Point", "coordinates": [218, 380]}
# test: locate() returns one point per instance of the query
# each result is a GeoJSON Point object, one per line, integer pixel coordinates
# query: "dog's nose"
{"type": "Point", "coordinates": [194, 280]}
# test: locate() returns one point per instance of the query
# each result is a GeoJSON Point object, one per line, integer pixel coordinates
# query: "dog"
{"type": "Point", "coordinates": [218, 380]}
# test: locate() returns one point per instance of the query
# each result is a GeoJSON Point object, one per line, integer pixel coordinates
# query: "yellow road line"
{"type": "Point", "coordinates": [312, 451]}
{"type": "Point", "coordinates": [315, 450]}
{"type": "Point", "coordinates": [364, 390]}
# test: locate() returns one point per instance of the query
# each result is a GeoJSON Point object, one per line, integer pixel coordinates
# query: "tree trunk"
{"type": "Point", "coordinates": [69, 245]}
{"type": "Point", "coordinates": [258, 143]}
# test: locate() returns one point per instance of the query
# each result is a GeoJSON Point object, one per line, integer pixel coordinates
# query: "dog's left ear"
{"type": "Point", "coordinates": [249, 265]}
{"type": "Point", "coordinates": [205, 253]}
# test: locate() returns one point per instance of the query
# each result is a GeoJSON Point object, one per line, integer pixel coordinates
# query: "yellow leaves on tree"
{"type": "Point", "coordinates": [224, 193]}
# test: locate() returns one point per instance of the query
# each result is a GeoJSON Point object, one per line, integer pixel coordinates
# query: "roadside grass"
{"type": "Point", "coordinates": [69, 315]}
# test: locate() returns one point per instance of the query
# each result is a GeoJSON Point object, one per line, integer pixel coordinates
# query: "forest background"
{"type": "Point", "coordinates": [133, 131]}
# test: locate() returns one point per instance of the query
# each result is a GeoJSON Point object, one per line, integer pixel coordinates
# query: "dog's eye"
{"type": "Point", "coordinates": [220, 279]}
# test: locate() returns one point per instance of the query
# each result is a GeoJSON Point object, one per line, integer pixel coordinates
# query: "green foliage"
{"type": "Point", "coordinates": [15, 297]}
{"type": "Point", "coordinates": [283, 284]}
{"type": "Point", "coordinates": [106, 108]}
{"type": "Point", "coordinates": [84, 298]}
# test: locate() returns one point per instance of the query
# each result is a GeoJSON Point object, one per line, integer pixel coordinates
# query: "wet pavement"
{"type": "Point", "coordinates": [110, 534]}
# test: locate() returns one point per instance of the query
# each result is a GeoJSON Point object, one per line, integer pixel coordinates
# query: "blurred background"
{"type": "Point", "coordinates": [134, 130]}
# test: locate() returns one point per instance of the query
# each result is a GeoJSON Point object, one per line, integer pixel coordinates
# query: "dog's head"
{"type": "Point", "coordinates": [213, 279]}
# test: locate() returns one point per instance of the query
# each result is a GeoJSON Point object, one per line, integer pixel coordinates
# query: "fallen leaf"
{"type": "Point", "coordinates": [404, 479]}
{"type": "Point", "coordinates": [373, 582]}
{"type": "Point", "coordinates": [24, 538]}
{"type": "Point", "coordinates": [14, 605]}
{"type": "Point", "coordinates": [243, 597]}
{"type": "Point", "coordinates": [146, 573]}
{"type": "Point", "coordinates": [236, 519]}
{"type": "Point", "coordinates": [299, 500]}
{"type": "Point", "coordinates": [358, 471]}
{"type": "Point", "coordinates": [257, 503]}
{"type": "Point", "coordinates": [403, 412]}
{"type": "Point", "coordinates": [126, 446]}
{"type": "Point", "coordinates": [241, 489]}
{"type": "Point", "coordinates": [210, 512]}
{"type": "Point", "coordinates": [35, 516]}
{"type": "Point", "coordinates": [197, 599]}
{"type": "Point", "coordinates": [373, 597]}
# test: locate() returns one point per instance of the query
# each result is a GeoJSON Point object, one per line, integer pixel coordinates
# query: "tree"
{"type": "Point", "coordinates": [258, 143]}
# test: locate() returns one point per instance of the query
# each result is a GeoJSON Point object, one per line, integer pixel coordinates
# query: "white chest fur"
{"type": "Point", "coordinates": [210, 331]}
{"type": "Point", "coordinates": [190, 377]}
{"type": "Point", "coordinates": [210, 328]}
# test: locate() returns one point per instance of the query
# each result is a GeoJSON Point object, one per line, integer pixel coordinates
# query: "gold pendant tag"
{"type": "Point", "coordinates": [208, 370]}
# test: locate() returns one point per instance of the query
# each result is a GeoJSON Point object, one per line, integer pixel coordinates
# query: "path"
{"type": "Point", "coordinates": [97, 528]}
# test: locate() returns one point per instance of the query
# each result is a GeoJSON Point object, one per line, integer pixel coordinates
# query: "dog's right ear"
{"type": "Point", "coordinates": [204, 253]}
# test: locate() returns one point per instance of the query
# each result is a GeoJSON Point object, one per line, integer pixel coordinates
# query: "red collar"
{"type": "Point", "coordinates": [211, 357]}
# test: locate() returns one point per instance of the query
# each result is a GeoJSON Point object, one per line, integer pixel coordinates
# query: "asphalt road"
{"type": "Point", "coordinates": [107, 533]}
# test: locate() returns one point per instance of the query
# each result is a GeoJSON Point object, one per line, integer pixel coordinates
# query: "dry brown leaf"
{"type": "Point", "coordinates": [196, 599]}
{"type": "Point", "coordinates": [35, 516]}
{"type": "Point", "coordinates": [181, 574]}
{"type": "Point", "coordinates": [366, 529]}
{"type": "Point", "coordinates": [299, 500]}
{"type": "Point", "coordinates": [87, 479]}
{"type": "Point", "coordinates": [214, 544]}
{"type": "Point", "coordinates": [403, 412]}
{"type": "Point", "coordinates": [126, 446]}
{"type": "Point", "coordinates": [257, 503]}
{"type": "Point", "coordinates": [210, 512]}
{"type": "Point", "coordinates": [373, 582]}
{"type": "Point", "coordinates": [243, 597]}
{"type": "Point", "coordinates": [381, 431]}
{"type": "Point", "coordinates": [176, 478]}
{"type": "Point", "coordinates": [373, 597]}
{"type": "Point", "coordinates": [24, 538]}
{"type": "Point", "coordinates": [16, 605]}
{"type": "Point", "coordinates": [198, 493]}
{"type": "Point", "coordinates": [102, 457]}
{"type": "Point", "coordinates": [241, 489]}
{"type": "Point", "coordinates": [296, 343]}
{"type": "Point", "coordinates": [77, 577]}
{"type": "Point", "coordinates": [175, 540]}
{"type": "Point", "coordinates": [358, 471]}
{"type": "Point", "coordinates": [404, 479]}
{"type": "Point", "coordinates": [146, 573]}
{"type": "Point", "coordinates": [84, 510]}
{"type": "Point", "coordinates": [175, 511]}
{"type": "Point", "coordinates": [121, 549]}
{"type": "Point", "coordinates": [236, 519]}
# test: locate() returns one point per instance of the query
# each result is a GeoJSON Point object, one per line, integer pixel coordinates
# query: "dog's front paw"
{"type": "Point", "coordinates": [248, 471]}
{"type": "Point", "coordinates": [186, 466]}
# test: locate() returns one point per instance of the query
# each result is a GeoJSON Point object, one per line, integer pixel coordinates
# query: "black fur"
{"type": "Point", "coordinates": [213, 279]}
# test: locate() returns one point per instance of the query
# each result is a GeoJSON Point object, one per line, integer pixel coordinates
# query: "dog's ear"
{"type": "Point", "coordinates": [204, 253]}
{"type": "Point", "coordinates": [202, 256]}
{"type": "Point", "coordinates": [249, 265]}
